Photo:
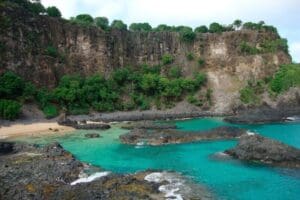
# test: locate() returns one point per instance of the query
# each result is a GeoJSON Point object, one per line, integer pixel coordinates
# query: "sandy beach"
{"type": "Point", "coordinates": [30, 129]}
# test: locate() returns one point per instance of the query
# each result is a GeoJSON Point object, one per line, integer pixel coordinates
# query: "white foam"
{"type": "Point", "coordinates": [291, 118]}
{"type": "Point", "coordinates": [250, 133]}
{"type": "Point", "coordinates": [90, 178]}
{"type": "Point", "coordinates": [170, 190]}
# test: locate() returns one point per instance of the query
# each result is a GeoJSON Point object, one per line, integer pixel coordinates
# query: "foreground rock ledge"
{"type": "Point", "coordinates": [172, 136]}
{"type": "Point", "coordinates": [265, 150]}
{"type": "Point", "coordinates": [32, 172]}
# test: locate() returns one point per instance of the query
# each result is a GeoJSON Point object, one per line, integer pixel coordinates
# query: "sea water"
{"type": "Point", "coordinates": [203, 162]}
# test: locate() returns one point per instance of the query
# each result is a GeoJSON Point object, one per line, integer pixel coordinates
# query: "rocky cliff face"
{"type": "Point", "coordinates": [88, 50]}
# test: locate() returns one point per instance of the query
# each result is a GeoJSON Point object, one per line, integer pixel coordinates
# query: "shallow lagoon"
{"type": "Point", "coordinates": [227, 179]}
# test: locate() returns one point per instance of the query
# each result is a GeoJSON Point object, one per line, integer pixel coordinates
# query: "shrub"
{"type": "Point", "coordinates": [201, 62]}
{"type": "Point", "coordinates": [215, 28]}
{"type": "Point", "coordinates": [53, 11]}
{"type": "Point", "coordinates": [11, 85]}
{"type": "Point", "coordinates": [247, 49]}
{"type": "Point", "coordinates": [52, 51]}
{"type": "Point", "coordinates": [193, 100]}
{"type": "Point", "coordinates": [102, 22]}
{"type": "Point", "coordinates": [50, 111]}
{"type": "Point", "coordinates": [187, 35]}
{"type": "Point", "coordinates": [9, 109]}
{"type": "Point", "coordinates": [201, 29]}
{"type": "Point", "coordinates": [174, 72]}
{"type": "Point", "coordinates": [190, 56]}
{"type": "Point", "coordinates": [167, 59]}
{"type": "Point", "coordinates": [140, 27]}
{"type": "Point", "coordinates": [163, 27]}
{"type": "Point", "coordinates": [118, 24]}
{"type": "Point", "coordinates": [248, 96]}
{"type": "Point", "coordinates": [287, 76]}
{"type": "Point", "coordinates": [83, 19]}
{"type": "Point", "coordinates": [237, 23]}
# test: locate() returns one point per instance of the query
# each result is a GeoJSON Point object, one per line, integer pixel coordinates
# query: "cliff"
{"type": "Point", "coordinates": [43, 49]}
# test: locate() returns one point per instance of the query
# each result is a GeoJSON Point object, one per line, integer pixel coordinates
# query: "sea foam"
{"type": "Point", "coordinates": [90, 178]}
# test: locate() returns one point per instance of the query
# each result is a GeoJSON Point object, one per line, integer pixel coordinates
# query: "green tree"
{"type": "Point", "coordinates": [53, 11]}
{"type": "Point", "coordinates": [9, 109]}
{"type": "Point", "coordinates": [84, 19]}
{"type": "Point", "coordinates": [102, 22]}
{"type": "Point", "coordinates": [216, 28]}
{"type": "Point", "coordinates": [237, 24]}
{"type": "Point", "coordinates": [201, 29]}
{"type": "Point", "coordinates": [163, 27]}
{"type": "Point", "coordinates": [140, 27]}
{"type": "Point", "coordinates": [11, 85]}
{"type": "Point", "coordinates": [118, 24]}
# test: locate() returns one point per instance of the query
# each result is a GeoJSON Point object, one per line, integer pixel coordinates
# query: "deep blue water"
{"type": "Point", "coordinates": [227, 179]}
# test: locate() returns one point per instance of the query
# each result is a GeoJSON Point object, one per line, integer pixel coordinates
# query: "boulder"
{"type": "Point", "coordinates": [92, 135]}
{"type": "Point", "coordinates": [265, 150]}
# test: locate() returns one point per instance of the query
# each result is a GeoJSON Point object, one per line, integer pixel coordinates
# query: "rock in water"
{"type": "Point", "coordinates": [92, 135]}
{"type": "Point", "coordinates": [6, 147]}
{"type": "Point", "coordinates": [174, 136]}
{"type": "Point", "coordinates": [265, 150]}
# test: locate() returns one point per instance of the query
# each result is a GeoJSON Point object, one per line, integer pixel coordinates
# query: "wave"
{"type": "Point", "coordinates": [90, 178]}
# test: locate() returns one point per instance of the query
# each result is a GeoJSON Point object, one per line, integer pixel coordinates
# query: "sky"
{"type": "Point", "coordinates": [283, 14]}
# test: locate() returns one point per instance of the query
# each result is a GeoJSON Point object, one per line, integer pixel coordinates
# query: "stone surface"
{"type": "Point", "coordinates": [92, 135]}
{"type": "Point", "coordinates": [148, 125]}
{"type": "Point", "coordinates": [171, 136]}
{"type": "Point", "coordinates": [265, 150]}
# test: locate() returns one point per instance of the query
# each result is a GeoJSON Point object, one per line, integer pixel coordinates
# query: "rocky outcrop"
{"type": "Point", "coordinates": [172, 136]}
{"type": "Point", "coordinates": [50, 172]}
{"type": "Point", "coordinates": [266, 113]}
{"type": "Point", "coordinates": [147, 125]}
{"type": "Point", "coordinates": [83, 125]}
{"type": "Point", "coordinates": [6, 147]}
{"type": "Point", "coordinates": [92, 135]}
{"type": "Point", "coordinates": [264, 150]}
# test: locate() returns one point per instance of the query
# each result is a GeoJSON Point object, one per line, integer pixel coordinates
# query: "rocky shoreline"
{"type": "Point", "coordinates": [50, 172]}
{"type": "Point", "coordinates": [173, 136]}
{"type": "Point", "coordinates": [256, 148]}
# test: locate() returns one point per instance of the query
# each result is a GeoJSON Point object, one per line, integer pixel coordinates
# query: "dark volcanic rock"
{"type": "Point", "coordinates": [33, 172]}
{"type": "Point", "coordinates": [148, 125]}
{"type": "Point", "coordinates": [265, 150]}
{"type": "Point", "coordinates": [170, 136]}
{"type": "Point", "coordinates": [92, 135]}
{"type": "Point", "coordinates": [6, 147]}
{"type": "Point", "coordinates": [79, 125]}
{"type": "Point", "coordinates": [264, 114]}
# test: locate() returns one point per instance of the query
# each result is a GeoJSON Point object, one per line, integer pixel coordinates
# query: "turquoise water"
{"type": "Point", "coordinates": [227, 179]}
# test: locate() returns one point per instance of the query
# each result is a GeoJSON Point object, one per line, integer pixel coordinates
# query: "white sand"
{"type": "Point", "coordinates": [36, 128]}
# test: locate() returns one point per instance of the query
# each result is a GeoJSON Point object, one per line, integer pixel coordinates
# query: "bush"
{"type": "Point", "coordinates": [167, 59]}
{"type": "Point", "coordinates": [52, 51]}
{"type": "Point", "coordinates": [287, 76]}
{"type": "Point", "coordinates": [140, 27]}
{"type": "Point", "coordinates": [247, 49]}
{"type": "Point", "coordinates": [174, 72]}
{"type": "Point", "coordinates": [190, 56]}
{"type": "Point", "coordinates": [163, 27]}
{"type": "Point", "coordinates": [201, 29]}
{"type": "Point", "coordinates": [195, 101]}
{"type": "Point", "coordinates": [9, 109]}
{"type": "Point", "coordinates": [201, 62]}
{"type": "Point", "coordinates": [102, 22]}
{"type": "Point", "coordinates": [50, 111]}
{"type": "Point", "coordinates": [11, 85]}
{"type": "Point", "coordinates": [83, 19]}
{"type": "Point", "coordinates": [248, 96]}
{"type": "Point", "coordinates": [216, 28]}
{"type": "Point", "coordinates": [53, 11]}
{"type": "Point", "coordinates": [118, 24]}
{"type": "Point", "coordinates": [187, 35]}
